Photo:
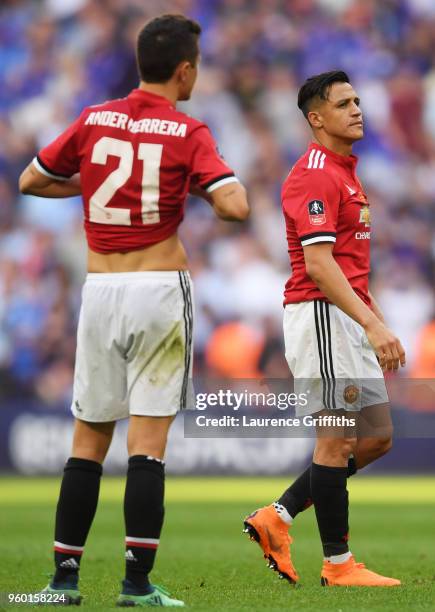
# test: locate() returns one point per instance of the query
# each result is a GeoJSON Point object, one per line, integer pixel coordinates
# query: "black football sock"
{"type": "Point", "coordinates": [143, 512]}
{"type": "Point", "coordinates": [331, 503]}
{"type": "Point", "coordinates": [298, 496]}
{"type": "Point", "coordinates": [74, 515]}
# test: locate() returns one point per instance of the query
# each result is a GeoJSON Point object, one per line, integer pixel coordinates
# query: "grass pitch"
{"type": "Point", "coordinates": [205, 560]}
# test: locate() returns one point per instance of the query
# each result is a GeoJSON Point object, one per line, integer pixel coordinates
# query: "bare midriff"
{"type": "Point", "coordinates": [166, 255]}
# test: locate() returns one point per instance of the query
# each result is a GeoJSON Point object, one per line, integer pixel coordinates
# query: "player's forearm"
{"type": "Point", "coordinates": [331, 281]}
{"type": "Point", "coordinates": [32, 182]}
{"type": "Point", "coordinates": [230, 202]}
{"type": "Point", "coordinates": [376, 308]}
{"type": "Point", "coordinates": [64, 189]}
{"type": "Point", "coordinates": [227, 207]}
{"type": "Point", "coordinates": [57, 189]}
{"type": "Point", "coordinates": [231, 216]}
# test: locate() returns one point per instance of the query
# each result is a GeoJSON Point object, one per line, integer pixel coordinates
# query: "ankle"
{"type": "Point", "coordinates": [66, 580]}
{"type": "Point", "coordinates": [283, 513]}
{"type": "Point", "coordinates": [338, 559]}
{"type": "Point", "coordinates": [137, 586]}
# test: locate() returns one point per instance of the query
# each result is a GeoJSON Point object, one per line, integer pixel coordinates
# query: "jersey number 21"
{"type": "Point", "coordinates": [151, 155]}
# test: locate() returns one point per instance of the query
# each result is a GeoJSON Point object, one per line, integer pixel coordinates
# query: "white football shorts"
{"type": "Point", "coordinates": [331, 358]}
{"type": "Point", "coordinates": [134, 345]}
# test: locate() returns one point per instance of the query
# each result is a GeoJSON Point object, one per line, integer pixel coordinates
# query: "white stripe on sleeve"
{"type": "Point", "coordinates": [42, 170]}
{"type": "Point", "coordinates": [325, 238]}
{"type": "Point", "coordinates": [221, 183]}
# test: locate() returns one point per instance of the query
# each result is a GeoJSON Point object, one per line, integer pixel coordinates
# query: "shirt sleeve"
{"type": "Point", "coordinates": [60, 159]}
{"type": "Point", "coordinates": [313, 205]}
{"type": "Point", "coordinates": [207, 168]}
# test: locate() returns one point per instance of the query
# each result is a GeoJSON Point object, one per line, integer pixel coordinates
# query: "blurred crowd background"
{"type": "Point", "coordinates": [57, 57]}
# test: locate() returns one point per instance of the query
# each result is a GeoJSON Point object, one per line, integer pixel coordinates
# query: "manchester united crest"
{"type": "Point", "coordinates": [350, 394]}
{"type": "Point", "coordinates": [364, 215]}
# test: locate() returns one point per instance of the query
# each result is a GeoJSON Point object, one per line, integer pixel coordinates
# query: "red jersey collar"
{"type": "Point", "coordinates": [147, 98]}
{"type": "Point", "coordinates": [348, 161]}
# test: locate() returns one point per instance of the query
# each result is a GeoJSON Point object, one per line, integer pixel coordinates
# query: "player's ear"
{"type": "Point", "coordinates": [182, 71]}
{"type": "Point", "coordinates": [315, 119]}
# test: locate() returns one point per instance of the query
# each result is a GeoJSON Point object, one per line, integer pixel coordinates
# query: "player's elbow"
{"type": "Point", "coordinates": [25, 182]}
{"type": "Point", "coordinates": [242, 206]}
{"type": "Point", "coordinates": [240, 210]}
{"type": "Point", "coordinates": [315, 270]}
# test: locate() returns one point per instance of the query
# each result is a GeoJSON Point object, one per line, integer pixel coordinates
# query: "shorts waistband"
{"type": "Point", "coordinates": [145, 275]}
{"type": "Point", "coordinates": [290, 305]}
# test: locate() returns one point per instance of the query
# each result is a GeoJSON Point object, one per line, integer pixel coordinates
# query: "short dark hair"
{"type": "Point", "coordinates": [163, 43]}
{"type": "Point", "coordinates": [318, 87]}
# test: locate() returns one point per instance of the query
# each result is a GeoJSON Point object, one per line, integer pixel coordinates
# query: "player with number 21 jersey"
{"type": "Point", "coordinates": [134, 155]}
{"type": "Point", "coordinates": [133, 161]}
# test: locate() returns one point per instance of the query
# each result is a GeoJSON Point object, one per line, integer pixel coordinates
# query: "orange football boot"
{"type": "Point", "coordinates": [351, 573]}
{"type": "Point", "coordinates": [271, 532]}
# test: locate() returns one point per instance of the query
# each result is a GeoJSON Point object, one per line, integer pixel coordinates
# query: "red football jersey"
{"type": "Point", "coordinates": [323, 201]}
{"type": "Point", "coordinates": [136, 157]}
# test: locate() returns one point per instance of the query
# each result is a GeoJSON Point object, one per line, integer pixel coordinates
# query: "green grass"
{"type": "Point", "coordinates": [203, 557]}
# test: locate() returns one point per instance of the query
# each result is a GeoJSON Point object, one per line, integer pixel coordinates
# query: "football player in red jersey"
{"type": "Point", "coordinates": [133, 160]}
{"type": "Point", "coordinates": [336, 339]}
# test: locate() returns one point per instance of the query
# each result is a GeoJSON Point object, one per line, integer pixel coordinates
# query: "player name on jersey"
{"type": "Point", "coordinates": [134, 155]}
{"type": "Point", "coordinates": [147, 126]}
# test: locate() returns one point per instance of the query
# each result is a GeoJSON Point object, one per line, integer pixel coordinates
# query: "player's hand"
{"type": "Point", "coordinates": [387, 347]}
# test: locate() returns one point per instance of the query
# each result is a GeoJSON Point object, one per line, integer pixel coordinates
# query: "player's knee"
{"type": "Point", "coordinates": [153, 448]}
{"type": "Point", "coordinates": [92, 440]}
{"type": "Point", "coordinates": [381, 446]}
{"type": "Point", "coordinates": [346, 447]}
{"type": "Point", "coordinates": [335, 451]}
{"type": "Point", "coordinates": [91, 454]}
{"type": "Point", "coordinates": [148, 436]}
